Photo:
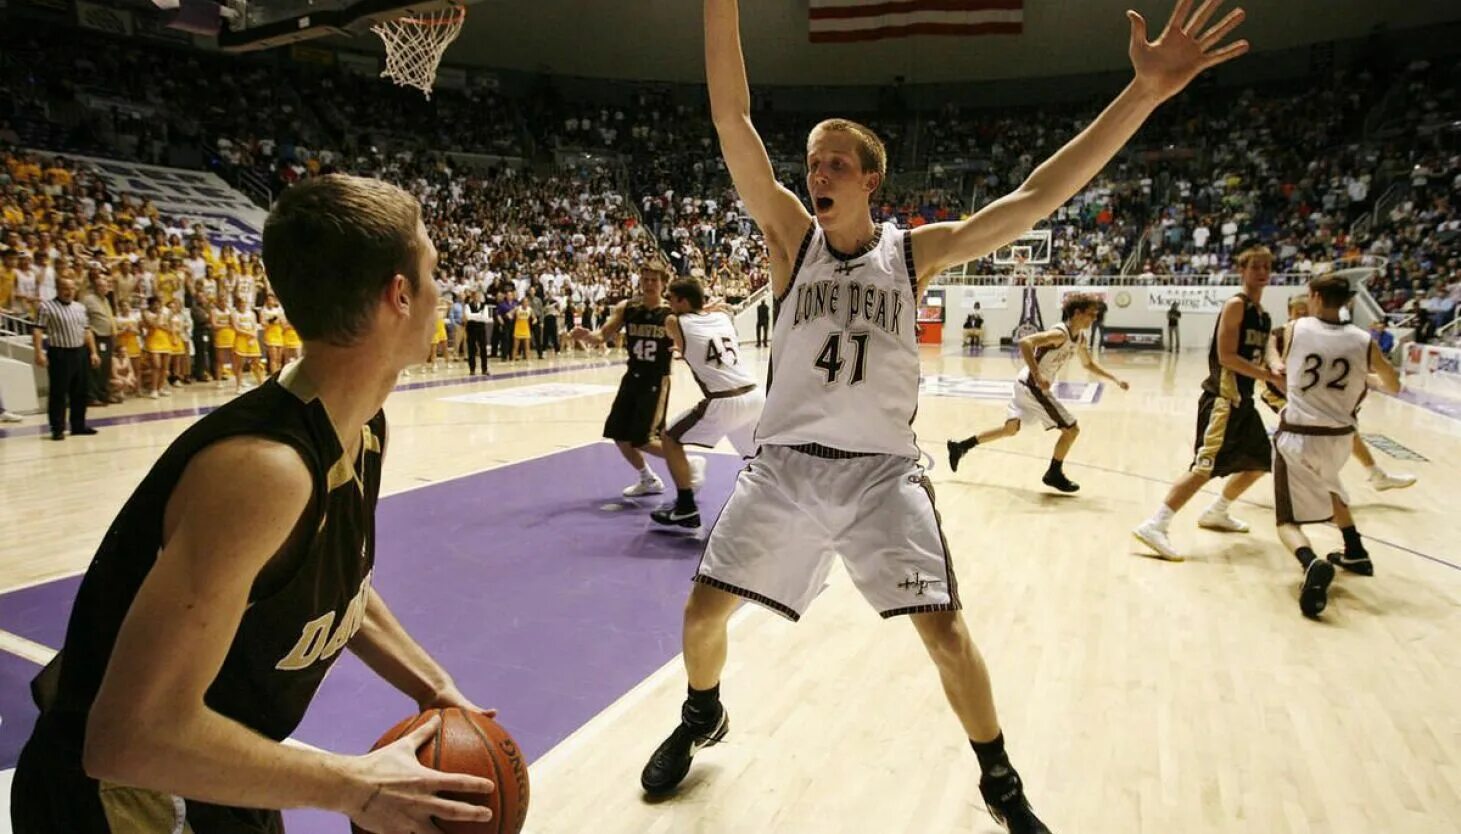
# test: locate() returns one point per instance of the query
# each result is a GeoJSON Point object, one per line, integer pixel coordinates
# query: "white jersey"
{"type": "Point", "coordinates": [844, 356]}
{"type": "Point", "coordinates": [1050, 359]}
{"type": "Point", "coordinates": [1327, 364]}
{"type": "Point", "coordinates": [711, 352]}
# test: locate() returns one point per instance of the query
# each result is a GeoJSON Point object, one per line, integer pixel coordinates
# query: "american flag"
{"type": "Point", "coordinates": [845, 21]}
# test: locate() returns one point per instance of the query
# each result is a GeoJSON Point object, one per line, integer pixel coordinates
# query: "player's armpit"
{"type": "Point", "coordinates": [231, 511]}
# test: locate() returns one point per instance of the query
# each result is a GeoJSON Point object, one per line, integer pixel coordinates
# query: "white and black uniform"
{"type": "Point", "coordinates": [1327, 365]}
{"type": "Point", "coordinates": [732, 402]}
{"type": "Point", "coordinates": [837, 471]}
{"type": "Point", "coordinates": [1031, 403]}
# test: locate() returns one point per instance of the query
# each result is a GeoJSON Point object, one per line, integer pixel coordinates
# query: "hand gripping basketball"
{"type": "Point", "coordinates": [400, 793]}
{"type": "Point", "coordinates": [459, 771]}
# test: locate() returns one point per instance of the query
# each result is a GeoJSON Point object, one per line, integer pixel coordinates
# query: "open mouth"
{"type": "Point", "coordinates": [822, 203]}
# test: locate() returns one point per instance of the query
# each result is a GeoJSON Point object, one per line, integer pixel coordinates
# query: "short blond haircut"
{"type": "Point", "coordinates": [1256, 252]}
{"type": "Point", "coordinates": [871, 153]}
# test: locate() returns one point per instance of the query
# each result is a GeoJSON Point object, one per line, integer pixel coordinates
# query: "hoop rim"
{"type": "Point", "coordinates": [458, 14]}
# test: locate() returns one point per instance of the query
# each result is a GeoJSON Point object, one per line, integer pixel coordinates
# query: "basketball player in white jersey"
{"type": "Point", "coordinates": [732, 404]}
{"type": "Point", "coordinates": [837, 470]}
{"type": "Point", "coordinates": [1327, 364]}
{"type": "Point", "coordinates": [1045, 353]}
{"type": "Point", "coordinates": [1380, 480]}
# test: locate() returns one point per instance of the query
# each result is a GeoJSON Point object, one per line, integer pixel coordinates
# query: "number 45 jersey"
{"type": "Point", "coordinates": [844, 352]}
{"type": "Point", "coordinates": [711, 352]}
{"type": "Point", "coordinates": [1327, 364]}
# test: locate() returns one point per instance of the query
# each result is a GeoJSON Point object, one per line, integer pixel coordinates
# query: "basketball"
{"type": "Point", "coordinates": [472, 743]}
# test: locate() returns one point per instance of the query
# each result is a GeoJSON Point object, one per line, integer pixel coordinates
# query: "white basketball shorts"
{"type": "Point", "coordinates": [1031, 404]}
{"type": "Point", "coordinates": [717, 417]}
{"type": "Point", "coordinates": [1306, 468]}
{"type": "Point", "coordinates": [791, 511]}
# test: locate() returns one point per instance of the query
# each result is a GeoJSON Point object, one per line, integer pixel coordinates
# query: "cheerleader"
{"type": "Point", "coordinates": [220, 318]}
{"type": "Point", "coordinates": [272, 319]}
{"type": "Point", "coordinates": [129, 330]}
{"type": "Point", "coordinates": [158, 343]}
{"type": "Point", "coordinates": [245, 343]}
{"type": "Point", "coordinates": [292, 343]}
{"type": "Point", "coordinates": [179, 326]}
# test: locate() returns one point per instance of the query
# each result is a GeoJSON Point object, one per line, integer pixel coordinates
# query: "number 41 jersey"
{"type": "Point", "coordinates": [844, 353]}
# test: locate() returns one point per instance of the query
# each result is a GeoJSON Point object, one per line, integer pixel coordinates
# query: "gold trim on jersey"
{"type": "Point", "coordinates": [1212, 439]}
{"type": "Point", "coordinates": [137, 811]}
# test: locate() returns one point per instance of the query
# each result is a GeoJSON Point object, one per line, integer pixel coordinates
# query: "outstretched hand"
{"type": "Point", "coordinates": [1182, 50]}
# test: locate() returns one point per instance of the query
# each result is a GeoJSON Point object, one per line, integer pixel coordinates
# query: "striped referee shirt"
{"type": "Point", "coordinates": [65, 324]}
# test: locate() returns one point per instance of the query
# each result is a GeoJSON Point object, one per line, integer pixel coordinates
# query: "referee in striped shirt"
{"type": "Point", "coordinates": [63, 323]}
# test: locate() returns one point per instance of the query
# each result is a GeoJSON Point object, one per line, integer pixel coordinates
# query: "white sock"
{"type": "Point", "coordinates": [1376, 471]}
{"type": "Point", "coordinates": [646, 474]}
{"type": "Point", "coordinates": [1163, 517]}
{"type": "Point", "coordinates": [1220, 505]}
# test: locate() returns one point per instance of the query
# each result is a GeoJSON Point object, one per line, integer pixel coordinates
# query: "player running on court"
{"type": "Point", "coordinates": [1045, 353]}
{"type": "Point", "coordinates": [1328, 365]}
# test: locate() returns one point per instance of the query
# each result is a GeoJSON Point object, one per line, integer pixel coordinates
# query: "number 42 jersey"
{"type": "Point", "coordinates": [844, 352]}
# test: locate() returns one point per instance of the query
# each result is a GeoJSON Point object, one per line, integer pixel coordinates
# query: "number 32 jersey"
{"type": "Point", "coordinates": [844, 352]}
{"type": "Point", "coordinates": [1327, 365]}
{"type": "Point", "coordinates": [710, 351]}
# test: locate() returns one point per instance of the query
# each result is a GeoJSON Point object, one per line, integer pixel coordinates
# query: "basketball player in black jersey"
{"type": "Point", "coordinates": [638, 415]}
{"type": "Point", "coordinates": [868, 430]}
{"type": "Point", "coordinates": [1231, 438]}
{"type": "Point", "coordinates": [240, 568]}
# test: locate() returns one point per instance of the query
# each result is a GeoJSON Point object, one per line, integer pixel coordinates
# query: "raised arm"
{"type": "Point", "coordinates": [1163, 68]}
{"type": "Point", "coordinates": [781, 216]}
{"type": "Point", "coordinates": [150, 727]}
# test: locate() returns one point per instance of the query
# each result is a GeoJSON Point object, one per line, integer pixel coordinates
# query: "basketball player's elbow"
{"type": "Point", "coordinates": [123, 741]}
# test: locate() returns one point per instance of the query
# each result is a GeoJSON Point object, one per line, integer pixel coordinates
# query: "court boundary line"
{"type": "Point", "coordinates": [26, 649]}
{"type": "Point", "coordinates": [626, 702]}
{"type": "Point", "coordinates": [204, 410]}
{"type": "Point", "coordinates": [1205, 491]}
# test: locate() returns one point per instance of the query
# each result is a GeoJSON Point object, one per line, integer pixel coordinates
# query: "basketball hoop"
{"type": "Point", "coordinates": [414, 45]}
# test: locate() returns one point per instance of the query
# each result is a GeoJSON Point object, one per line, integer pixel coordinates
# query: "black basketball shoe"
{"type": "Point", "coordinates": [1315, 593]}
{"type": "Point", "coordinates": [1004, 796]}
{"type": "Point", "coordinates": [671, 760]}
{"type": "Point", "coordinates": [956, 453]}
{"type": "Point", "coordinates": [1058, 481]}
{"type": "Point", "coordinates": [1359, 563]}
{"type": "Point", "coordinates": [670, 516]}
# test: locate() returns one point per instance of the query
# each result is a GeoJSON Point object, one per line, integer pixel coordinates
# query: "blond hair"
{"type": "Point", "coordinates": [872, 155]}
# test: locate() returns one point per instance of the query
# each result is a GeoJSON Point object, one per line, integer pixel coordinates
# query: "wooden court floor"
{"type": "Point", "coordinates": [1136, 695]}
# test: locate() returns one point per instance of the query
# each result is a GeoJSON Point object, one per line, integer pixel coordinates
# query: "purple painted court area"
{"type": "Point", "coordinates": [40, 613]}
{"type": "Point", "coordinates": [545, 594]}
{"type": "Point", "coordinates": [17, 711]}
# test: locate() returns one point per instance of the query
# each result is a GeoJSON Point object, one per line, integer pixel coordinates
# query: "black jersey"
{"type": "Point", "coordinates": [302, 609]}
{"type": "Point", "coordinates": [1252, 339]}
{"type": "Point", "coordinates": [648, 341]}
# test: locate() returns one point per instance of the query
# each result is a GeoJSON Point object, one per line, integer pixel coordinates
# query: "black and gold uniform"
{"type": "Point", "coordinates": [1230, 434]}
{"type": "Point", "coordinates": [638, 413]}
{"type": "Point", "coordinates": [303, 608]}
{"type": "Point", "coordinates": [1272, 396]}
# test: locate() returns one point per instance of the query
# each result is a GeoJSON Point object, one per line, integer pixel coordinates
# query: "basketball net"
{"type": "Point", "coordinates": [414, 46]}
{"type": "Point", "coordinates": [1021, 269]}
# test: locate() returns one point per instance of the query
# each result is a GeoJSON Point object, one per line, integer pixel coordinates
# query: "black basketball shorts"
{"type": "Point", "coordinates": [638, 413]}
{"type": "Point", "coordinates": [1230, 438]}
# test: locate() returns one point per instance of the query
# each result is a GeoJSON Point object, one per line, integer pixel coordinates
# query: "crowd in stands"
{"type": "Point", "coordinates": [1297, 167]}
